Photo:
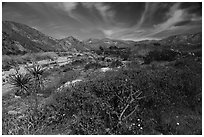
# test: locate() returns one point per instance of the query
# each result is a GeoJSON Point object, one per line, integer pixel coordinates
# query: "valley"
{"type": "Point", "coordinates": [101, 86]}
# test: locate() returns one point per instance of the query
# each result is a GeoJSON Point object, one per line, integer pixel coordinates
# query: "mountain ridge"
{"type": "Point", "coordinates": [19, 38]}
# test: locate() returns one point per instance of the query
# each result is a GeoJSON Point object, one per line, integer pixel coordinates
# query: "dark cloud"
{"type": "Point", "coordinates": [193, 7]}
{"type": "Point", "coordinates": [89, 14]}
{"type": "Point", "coordinates": [181, 23]}
{"type": "Point", "coordinates": [156, 13]}
{"type": "Point", "coordinates": [118, 20]}
{"type": "Point", "coordinates": [128, 13]}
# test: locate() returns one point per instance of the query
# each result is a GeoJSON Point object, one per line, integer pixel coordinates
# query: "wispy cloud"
{"type": "Point", "coordinates": [68, 7]}
{"type": "Point", "coordinates": [103, 9]}
{"type": "Point", "coordinates": [134, 21]}
{"type": "Point", "coordinates": [173, 16]}
{"type": "Point", "coordinates": [149, 11]}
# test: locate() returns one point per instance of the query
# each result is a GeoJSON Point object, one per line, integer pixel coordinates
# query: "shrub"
{"type": "Point", "coordinates": [78, 62]}
{"type": "Point", "coordinates": [10, 61]}
{"type": "Point", "coordinates": [122, 100]}
{"type": "Point", "coordinates": [164, 55]}
{"type": "Point", "coordinates": [66, 67]}
{"type": "Point", "coordinates": [93, 65]}
{"type": "Point", "coordinates": [116, 63]}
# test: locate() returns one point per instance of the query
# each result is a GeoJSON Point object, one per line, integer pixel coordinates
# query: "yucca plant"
{"type": "Point", "coordinates": [36, 71]}
{"type": "Point", "coordinates": [22, 82]}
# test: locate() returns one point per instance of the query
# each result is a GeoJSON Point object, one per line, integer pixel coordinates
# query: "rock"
{"type": "Point", "coordinates": [68, 84]}
{"type": "Point", "coordinates": [21, 117]}
{"type": "Point", "coordinates": [17, 96]}
{"type": "Point", "coordinates": [40, 95]}
{"type": "Point", "coordinates": [76, 81]}
{"type": "Point", "coordinates": [105, 69]}
{"type": "Point", "coordinates": [13, 112]}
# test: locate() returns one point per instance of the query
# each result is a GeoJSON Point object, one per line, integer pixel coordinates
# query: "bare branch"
{"type": "Point", "coordinates": [131, 113]}
{"type": "Point", "coordinates": [119, 97]}
{"type": "Point", "coordinates": [121, 115]}
{"type": "Point", "coordinates": [114, 112]}
{"type": "Point", "coordinates": [141, 97]}
{"type": "Point", "coordinates": [138, 93]}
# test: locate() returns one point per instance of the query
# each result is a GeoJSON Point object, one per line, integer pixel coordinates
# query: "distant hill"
{"type": "Point", "coordinates": [183, 42]}
{"type": "Point", "coordinates": [95, 44]}
{"type": "Point", "coordinates": [18, 38]}
{"type": "Point", "coordinates": [195, 38]}
{"type": "Point", "coordinates": [73, 44]}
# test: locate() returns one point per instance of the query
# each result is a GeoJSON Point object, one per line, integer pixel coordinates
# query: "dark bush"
{"type": "Point", "coordinates": [198, 53]}
{"type": "Point", "coordinates": [157, 44]}
{"type": "Point", "coordinates": [164, 55]}
{"type": "Point", "coordinates": [78, 62]}
{"type": "Point", "coordinates": [93, 65]}
{"type": "Point", "coordinates": [116, 63]}
{"type": "Point", "coordinates": [66, 67]}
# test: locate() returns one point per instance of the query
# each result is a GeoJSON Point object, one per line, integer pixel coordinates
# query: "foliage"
{"type": "Point", "coordinates": [164, 100]}
{"type": "Point", "coordinates": [13, 60]}
{"type": "Point", "coordinates": [20, 125]}
{"type": "Point", "coordinates": [116, 63]}
{"type": "Point", "coordinates": [9, 61]}
{"type": "Point", "coordinates": [130, 102]}
{"type": "Point", "coordinates": [92, 65]}
{"type": "Point", "coordinates": [78, 62]}
{"type": "Point", "coordinates": [164, 55]}
{"type": "Point", "coordinates": [36, 71]}
{"type": "Point", "coordinates": [22, 83]}
{"type": "Point", "coordinates": [29, 84]}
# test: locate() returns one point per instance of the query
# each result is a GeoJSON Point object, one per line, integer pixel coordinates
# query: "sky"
{"type": "Point", "coordinates": [118, 20]}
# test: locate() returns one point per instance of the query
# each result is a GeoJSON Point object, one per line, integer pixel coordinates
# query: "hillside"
{"type": "Point", "coordinates": [22, 38]}
{"type": "Point", "coordinates": [95, 44]}
{"type": "Point", "coordinates": [19, 39]}
{"type": "Point", "coordinates": [183, 39]}
{"type": "Point", "coordinates": [184, 42]}
{"type": "Point", "coordinates": [73, 44]}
